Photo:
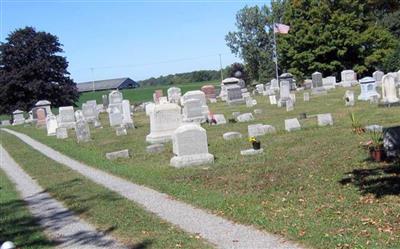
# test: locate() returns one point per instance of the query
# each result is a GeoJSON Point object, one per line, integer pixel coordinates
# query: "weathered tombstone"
{"type": "Point", "coordinates": [197, 94]}
{"type": "Point", "coordinates": [164, 119]}
{"type": "Point", "coordinates": [51, 125]}
{"type": "Point", "coordinates": [89, 111]}
{"type": "Point", "coordinates": [272, 99]}
{"type": "Point", "coordinates": [66, 117]}
{"type": "Point", "coordinates": [324, 119]}
{"type": "Point", "coordinates": [126, 114]}
{"type": "Point", "coordinates": [289, 105]}
{"type": "Point", "coordinates": [257, 130]}
{"type": "Point", "coordinates": [82, 131]}
{"type": "Point", "coordinates": [162, 100]}
{"type": "Point", "coordinates": [368, 89]}
{"type": "Point", "coordinates": [115, 97]}
{"type": "Point", "coordinates": [190, 146]}
{"type": "Point", "coordinates": [378, 75]}
{"type": "Point", "coordinates": [389, 94]}
{"type": "Point", "coordinates": [293, 97]}
{"type": "Point", "coordinates": [79, 115]}
{"type": "Point", "coordinates": [260, 88]}
{"type": "Point", "coordinates": [155, 148]}
{"type": "Point", "coordinates": [292, 124]}
{"type": "Point", "coordinates": [115, 115]}
{"type": "Point", "coordinates": [235, 114]}
{"type": "Point", "coordinates": [209, 91]}
{"type": "Point", "coordinates": [41, 118]}
{"type": "Point", "coordinates": [306, 96]}
{"type": "Point", "coordinates": [307, 84]}
{"type": "Point", "coordinates": [156, 95]}
{"type": "Point", "coordinates": [192, 111]}
{"type": "Point", "coordinates": [62, 133]}
{"type": "Point", "coordinates": [251, 152]}
{"type": "Point", "coordinates": [18, 117]}
{"type": "Point", "coordinates": [245, 117]}
{"type": "Point", "coordinates": [5, 122]}
{"type": "Point", "coordinates": [274, 85]}
{"type": "Point", "coordinates": [349, 78]}
{"type": "Point", "coordinates": [316, 79]}
{"type": "Point", "coordinates": [149, 108]}
{"type": "Point", "coordinates": [349, 98]}
{"type": "Point", "coordinates": [174, 94]}
{"type": "Point", "coordinates": [220, 119]}
{"type": "Point", "coordinates": [329, 82]}
{"type": "Point", "coordinates": [234, 95]}
{"type": "Point", "coordinates": [284, 92]}
{"type": "Point", "coordinates": [288, 77]}
{"type": "Point", "coordinates": [117, 154]}
{"type": "Point", "coordinates": [231, 135]}
{"type": "Point", "coordinates": [104, 99]}
{"type": "Point", "coordinates": [258, 111]}
{"type": "Point", "coordinates": [250, 102]}
{"type": "Point", "coordinates": [45, 104]}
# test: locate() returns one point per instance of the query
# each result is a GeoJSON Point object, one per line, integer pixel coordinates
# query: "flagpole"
{"type": "Point", "coordinates": [276, 56]}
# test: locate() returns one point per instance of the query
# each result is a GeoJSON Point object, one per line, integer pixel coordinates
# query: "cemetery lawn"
{"type": "Point", "coordinates": [16, 222]}
{"type": "Point", "coordinates": [315, 186]}
{"type": "Point", "coordinates": [105, 209]}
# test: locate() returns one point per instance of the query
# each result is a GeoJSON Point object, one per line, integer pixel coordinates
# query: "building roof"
{"type": "Point", "coordinates": [100, 84]}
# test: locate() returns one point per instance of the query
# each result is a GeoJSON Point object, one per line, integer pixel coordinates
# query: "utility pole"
{"type": "Point", "coordinates": [220, 66]}
{"type": "Point", "coordinates": [275, 56]}
{"type": "Point", "coordinates": [93, 87]}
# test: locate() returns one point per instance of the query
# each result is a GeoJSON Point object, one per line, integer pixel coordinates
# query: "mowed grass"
{"type": "Point", "coordinates": [108, 211]}
{"type": "Point", "coordinates": [142, 94]}
{"type": "Point", "coordinates": [16, 222]}
{"type": "Point", "coordinates": [315, 186]}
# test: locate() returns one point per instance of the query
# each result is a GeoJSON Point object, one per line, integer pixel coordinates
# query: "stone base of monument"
{"type": "Point", "coordinates": [158, 138]}
{"type": "Point", "coordinates": [191, 160]}
{"type": "Point", "coordinates": [250, 152]}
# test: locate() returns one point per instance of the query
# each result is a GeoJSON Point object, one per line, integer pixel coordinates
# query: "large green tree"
{"type": "Point", "coordinates": [253, 40]}
{"type": "Point", "coordinates": [329, 36]}
{"type": "Point", "coordinates": [31, 69]}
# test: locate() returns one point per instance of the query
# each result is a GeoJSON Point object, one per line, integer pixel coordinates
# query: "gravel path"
{"type": "Point", "coordinates": [217, 230]}
{"type": "Point", "coordinates": [62, 226]}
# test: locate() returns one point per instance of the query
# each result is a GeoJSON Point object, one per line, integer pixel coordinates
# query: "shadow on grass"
{"type": "Point", "coordinates": [379, 181]}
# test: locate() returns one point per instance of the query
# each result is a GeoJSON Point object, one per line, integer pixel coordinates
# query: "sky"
{"type": "Point", "coordinates": [105, 39]}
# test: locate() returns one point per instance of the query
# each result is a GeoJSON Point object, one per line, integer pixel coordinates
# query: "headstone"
{"type": "Point", "coordinates": [104, 99]}
{"type": "Point", "coordinates": [389, 94]}
{"type": "Point", "coordinates": [51, 125]}
{"type": "Point", "coordinates": [231, 135]}
{"type": "Point", "coordinates": [79, 115]}
{"type": "Point", "coordinates": [121, 131]}
{"type": "Point", "coordinates": [349, 98]}
{"type": "Point", "coordinates": [324, 119]}
{"type": "Point", "coordinates": [97, 124]}
{"type": "Point", "coordinates": [66, 117]}
{"type": "Point", "coordinates": [284, 93]}
{"type": "Point", "coordinates": [378, 75]}
{"type": "Point", "coordinates": [292, 124]}
{"type": "Point", "coordinates": [235, 114]}
{"type": "Point", "coordinates": [307, 84]}
{"type": "Point", "coordinates": [117, 154]}
{"type": "Point", "coordinates": [126, 114]}
{"type": "Point", "coordinates": [329, 82]}
{"type": "Point", "coordinates": [82, 131]}
{"type": "Point", "coordinates": [349, 78]}
{"type": "Point", "coordinates": [209, 91]}
{"type": "Point", "coordinates": [5, 122]}
{"type": "Point", "coordinates": [44, 104]}
{"type": "Point", "coordinates": [251, 152]}
{"type": "Point", "coordinates": [260, 88]}
{"type": "Point", "coordinates": [274, 85]}
{"type": "Point", "coordinates": [115, 97]}
{"type": "Point", "coordinates": [293, 97]}
{"type": "Point", "coordinates": [193, 112]}
{"type": "Point", "coordinates": [89, 111]}
{"type": "Point", "coordinates": [257, 130]}
{"type": "Point", "coordinates": [100, 108]}
{"type": "Point", "coordinates": [18, 117]}
{"type": "Point", "coordinates": [220, 119]}
{"type": "Point", "coordinates": [62, 133]}
{"type": "Point", "coordinates": [155, 148]}
{"type": "Point", "coordinates": [272, 99]}
{"type": "Point", "coordinates": [288, 77]}
{"type": "Point", "coordinates": [156, 95]}
{"type": "Point", "coordinates": [174, 94]}
{"type": "Point", "coordinates": [245, 117]}
{"type": "Point", "coordinates": [368, 89]}
{"type": "Point", "coordinates": [115, 115]}
{"type": "Point", "coordinates": [250, 102]}
{"type": "Point", "coordinates": [306, 96]}
{"type": "Point", "coordinates": [234, 95]}
{"type": "Point", "coordinates": [149, 108]}
{"type": "Point", "coordinates": [197, 94]}
{"type": "Point", "coordinates": [289, 105]}
{"type": "Point", "coordinates": [41, 118]}
{"type": "Point", "coordinates": [164, 119]}
{"type": "Point", "coordinates": [316, 79]}
{"type": "Point", "coordinates": [190, 146]}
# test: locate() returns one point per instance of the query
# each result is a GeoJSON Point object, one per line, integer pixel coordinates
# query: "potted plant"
{"type": "Point", "coordinates": [256, 144]}
{"type": "Point", "coordinates": [376, 146]}
{"type": "Point", "coordinates": [355, 124]}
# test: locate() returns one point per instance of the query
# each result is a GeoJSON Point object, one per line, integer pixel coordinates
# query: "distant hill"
{"type": "Point", "coordinates": [180, 78]}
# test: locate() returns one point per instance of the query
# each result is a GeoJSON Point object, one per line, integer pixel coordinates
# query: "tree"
{"type": "Point", "coordinates": [329, 36]}
{"type": "Point", "coordinates": [253, 40]}
{"type": "Point", "coordinates": [31, 69]}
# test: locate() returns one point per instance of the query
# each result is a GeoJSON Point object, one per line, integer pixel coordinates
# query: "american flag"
{"type": "Point", "coordinates": [281, 28]}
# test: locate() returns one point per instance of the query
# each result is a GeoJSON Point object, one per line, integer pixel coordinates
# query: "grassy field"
{"type": "Point", "coordinates": [105, 209]}
{"type": "Point", "coordinates": [315, 186]}
{"type": "Point", "coordinates": [142, 94]}
{"type": "Point", "coordinates": [16, 222]}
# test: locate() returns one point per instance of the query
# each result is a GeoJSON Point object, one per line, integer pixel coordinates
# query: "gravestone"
{"type": "Point", "coordinates": [62, 133]}
{"type": "Point", "coordinates": [260, 88]}
{"type": "Point", "coordinates": [292, 124]}
{"type": "Point", "coordinates": [51, 125]}
{"type": "Point", "coordinates": [45, 104]}
{"type": "Point", "coordinates": [378, 75]}
{"type": "Point", "coordinates": [251, 152]}
{"type": "Point", "coordinates": [231, 135]}
{"type": "Point", "coordinates": [368, 89]}
{"type": "Point", "coordinates": [105, 102]}
{"type": "Point", "coordinates": [18, 117]}
{"type": "Point", "coordinates": [115, 97]}
{"type": "Point", "coordinates": [66, 117]}
{"type": "Point", "coordinates": [329, 82]}
{"type": "Point", "coordinates": [258, 111]}
{"type": "Point", "coordinates": [117, 154]}
{"type": "Point", "coordinates": [272, 99]}
{"type": "Point", "coordinates": [316, 79]}
{"type": "Point", "coordinates": [164, 119]}
{"type": "Point", "coordinates": [41, 118]}
{"type": "Point", "coordinates": [5, 122]}
{"type": "Point", "coordinates": [115, 115]}
{"type": "Point", "coordinates": [257, 130]}
{"type": "Point", "coordinates": [156, 96]}
{"type": "Point", "coordinates": [127, 120]}
{"type": "Point", "coordinates": [209, 91]}
{"type": "Point", "coordinates": [235, 114]}
{"type": "Point", "coordinates": [290, 78]}
{"type": "Point", "coordinates": [284, 92]}
{"type": "Point", "coordinates": [197, 94]}
{"type": "Point", "coordinates": [245, 117]}
{"type": "Point", "coordinates": [391, 141]}
{"type": "Point", "coordinates": [155, 148]}
{"type": "Point", "coordinates": [293, 97]}
{"type": "Point", "coordinates": [89, 111]}
{"type": "Point", "coordinates": [349, 98]}
{"type": "Point", "coordinates": [289, 105]}
{"type": "Point", "coordinates": [121, 131]}
{"type": "Point", "coordinates": [220, 119]}
{"type": "Point", "coordinates": [234, 95]}
{"type": "Point", "coordinates": [79, 115]}
{"type": "Point", "coordinates": [306, 97]}
{"type": "Point", "coordinates": [324, 119]}
{"type": "Point", "coordinates": [307, 84]}
{"type": "Point", "coordinates": [349, 78]}
{"type": "Point", "coordinates": [274, 85]}
{"type": "Point", "coordinates": [192, 111]}
{"type": "Point", "coordinates": [149, 108]}
{"type": "Point", "coordinates": [389, 93]}
{"type": "Point", "coordinates": [82, 131]}
{"type": "Point", "coordinates": [250, 102]}
{"type": "Point", "coordinates": [190, 146]}
{"type": "Point", "coordinates": [174, 94]}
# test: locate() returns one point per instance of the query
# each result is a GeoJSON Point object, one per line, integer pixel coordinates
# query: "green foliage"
{"type": "Point", "coordinates": [376, 139]}
{"type": "Point", "coordinates": [181, 78]}
{"type": "Point", "coordinates": [392, 61]}
{"type": "Point", "coordinates": [31, 69]}
{"type": "Point", "coordinates": [329, 36]}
